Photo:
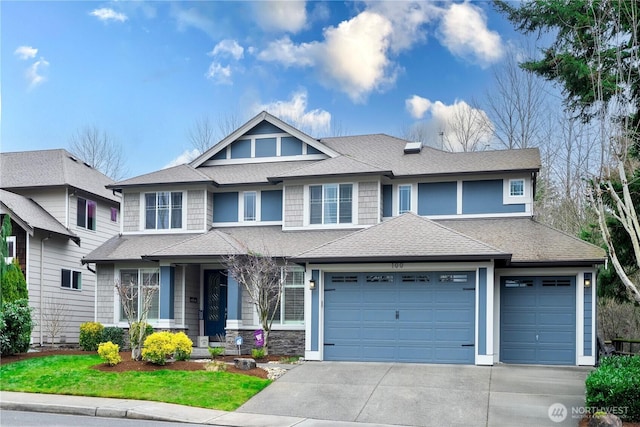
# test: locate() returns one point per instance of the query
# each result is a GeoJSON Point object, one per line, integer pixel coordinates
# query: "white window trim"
{"type": "Point", "coordinates": [71, 288]}
{"type": "Point", "coordinates": [241, 206]}
{"type": "Point", "coordinates": [508, 199]}
{"type": "Point", "coordinates": [117, 307]}
{"type": "Point", "coordinates": [306, 209]}
{"type": "Point", "coordinates": [86, 214]}
{"type": "Point", "coordinates": [395, 198]}
{"type": "Point", "coordinates": [143, 213]}
{"type": "Point", "coordinates": [9, 259]}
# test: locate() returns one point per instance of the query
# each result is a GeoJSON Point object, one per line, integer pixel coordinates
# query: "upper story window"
{"type": "Point", "coordinates": [11, 249]}
{"type": "Point", "coordinates": [330, 204]}
{"type": "Point", "coordinates": [404, 198]}
{"type": "Point", "coordinates": [71, 279]}
{"type": "Point", "coordinates": [516, 187]}
{"type": "Point", "coordinates": [86, 214]}
{"type": "Point", "coordinates": [250, 206]}
{"type": "Point", "coordinates": [163, 210]}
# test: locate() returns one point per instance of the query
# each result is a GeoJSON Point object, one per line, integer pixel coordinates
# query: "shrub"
{"type": "Point", "coordinates": [258, 353]}
{"type": "Point", "coordinates": [113, 334]}
{"type": "Point", "coordinates": [15, 327]}
{"type": "Point", "coordinates": [157, 347]}
{"type": "Point", "coordinates": [90, 335]}
{"type": "Point", "coordinates": [14, 285]}
{"type": "Point", "coordinates": [216, 351]}
{"type": "Point", "coordinates": [215, 366]}
{"type": "Point", "coordinates": [110, 353]}
{"type": "Point", "coordinates": [134, 332]}
{"type": "Point", "coordinates": [183, 346]}
{"type": "Point", "coordinates": [616, 384]}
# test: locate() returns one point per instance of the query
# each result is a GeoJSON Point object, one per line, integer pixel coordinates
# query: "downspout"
{"type": "Point", "coordinates": [41, 287]}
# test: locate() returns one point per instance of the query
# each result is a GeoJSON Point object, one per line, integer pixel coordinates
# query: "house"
{"type": "Point", "coordinates": [396, 252]}
{"type": "Point", "coordinates": [60, 210]}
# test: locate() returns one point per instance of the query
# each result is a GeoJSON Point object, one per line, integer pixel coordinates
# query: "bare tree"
{"type": "Point", "coordinates": [516, 105]}
{"type": "Point", "coordinates": [136, 301]}
{"type": "Point", "coordinates": [55, 317]}
{"type": "Point", "coordinates": [207, 132]}
{"type": "Point", "coordinates": [263, 278]}
{"type": "Point", "coordinates": [467, 129]}
{"type": "Point", "coordinates": [99, 150]}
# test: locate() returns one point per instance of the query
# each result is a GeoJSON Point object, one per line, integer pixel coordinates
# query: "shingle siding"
{"type": "Point", "coordinates": [192, 290]}
{"type": "Point", "coordinates": [195, 210]}
{"type": "Point", "coordinates": [294, 206]}
{"type": "Point", "coordinates": [368, 206]}
{"type": "Point", "coordinates": [131, 211]}
{"type": "Point", "coordinates": [209, 209]}
{"type": "Point", "coordinates": [106, 296]}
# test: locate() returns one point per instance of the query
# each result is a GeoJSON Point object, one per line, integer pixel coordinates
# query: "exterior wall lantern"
{"type": "Point", "coordinates": [312, 284]}
{"type": "Point", "coordinates": [587, 280]}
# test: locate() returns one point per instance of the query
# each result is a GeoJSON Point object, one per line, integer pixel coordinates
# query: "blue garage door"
{"type": "Point", "coordinates": [404, 317]}
{"type": "Point", "coordinates": [538, 320]}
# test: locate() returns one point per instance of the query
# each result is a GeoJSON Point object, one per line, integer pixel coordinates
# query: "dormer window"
{"type": "Point", "coordinates": [330, 204]}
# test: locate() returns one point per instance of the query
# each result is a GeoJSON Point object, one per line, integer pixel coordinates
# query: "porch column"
{"type": "Point", "coordinates": [167, 280]}
{"type": "Point", "coordinates": [234, 303]}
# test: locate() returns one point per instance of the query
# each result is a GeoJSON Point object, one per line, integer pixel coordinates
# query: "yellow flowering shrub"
{"type": "Point", "coordinates": [90, 335]}
{"type": "Point", "coordinates": [183, 345]}
{"type": "Point", "coordinates": [110, 353]}
{"type": "Point", "coordinates": [157, 347]}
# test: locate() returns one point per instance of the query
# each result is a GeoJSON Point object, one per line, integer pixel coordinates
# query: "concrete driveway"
{"type": "Point", "coordinates": [425, 395]}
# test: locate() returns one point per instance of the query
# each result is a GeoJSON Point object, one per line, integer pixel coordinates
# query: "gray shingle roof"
{"type": "Point", "coordinates": [407, 237]}
{"type": "Point", "coordinates": [252, 173]}
{"type": "Point", "coordinates": [213, 243]}
{"type": "Point", "coordinates": [528, 240]}
{"type": "Point", "coordinates": [52, 168]}
{"type": "Point", "coordinates": [387, 153]}
{"type": "Point", "coordinates": [341, 165]}
{"type": "Point", "coordinates": [33, 215]}
{"type": "Point", "coordinates": [133, 247]}
{"type": "Point", "coordinates": [181, 174]}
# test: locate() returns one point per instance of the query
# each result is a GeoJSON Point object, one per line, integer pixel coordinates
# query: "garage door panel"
{"type": "Point", "coordinates": [401, 317]}
{"type": "Point", "coordinates": [538, 320]}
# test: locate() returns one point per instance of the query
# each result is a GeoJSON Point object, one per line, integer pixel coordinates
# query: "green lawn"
{"type": "Point", "coordinates": [73, 375]}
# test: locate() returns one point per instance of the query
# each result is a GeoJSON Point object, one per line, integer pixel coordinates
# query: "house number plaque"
{"type": "Point", "coordinates": [397, 265]}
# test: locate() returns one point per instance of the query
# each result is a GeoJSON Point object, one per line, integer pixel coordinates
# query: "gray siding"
{"type": "Point", "coordinates": [247, 311]}
{"type": "Point", "coordinates": [195, 210]}
{"type": "Point", "coordinates": [588, 322]}
{"type": "Point", "coordinates": [54, 201]}
{"type": "Point", "coordinates": [293, 206]}
{"type": "Point", "coordinates": [178, 295]}
{"type": "Point", "coordinates": [209, 209]}
{"type": "Point", "coordinates": [106, 296]}
{"type": "Point", "coordinates": [131, 211]}
{"type": "Point", "coordinates": [368, 207]}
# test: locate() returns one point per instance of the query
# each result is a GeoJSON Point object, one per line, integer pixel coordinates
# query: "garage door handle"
{"type": "Point", "coordinates": [468, 345]}
{"type": "Point", "coordinates": [397, 314]}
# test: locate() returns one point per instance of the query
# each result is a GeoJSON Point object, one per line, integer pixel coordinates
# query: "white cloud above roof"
{"type": "Point", "coordinates": [26, 52]}
{"type": "Point", "coordinates": [228, 47]}
{"type": "Point", "coordinates": [294, 111]}
{"type": "Point", "coordinates": [185, 157]}
{"type": "Point", "coordinates": [36, 73]}
{"type": "Point", "coordinates": [417, 106]}
{"type": "Point", "coordinates": [464, 32]}
{"type": "Point", "coordinates": [288, 16]}
{"type": "Point", "coordinates": [106, 14]}
{"type": "Point", "coordinates": [219, 74]}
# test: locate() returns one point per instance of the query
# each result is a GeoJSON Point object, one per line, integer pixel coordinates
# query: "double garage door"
{"type": "Point", "coordinates": [538, 320]}
{"type": "Point", "coordinates": [405, 317]}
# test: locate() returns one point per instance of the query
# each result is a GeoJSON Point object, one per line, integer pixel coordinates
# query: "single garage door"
{"type": "Point", "coordinates": [404, 317]}
{"type": "Point", "coordinates": [538, 320]}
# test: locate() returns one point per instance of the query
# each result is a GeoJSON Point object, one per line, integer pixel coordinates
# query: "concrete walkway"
{"type": "Point", "coordinates": [346, 394]}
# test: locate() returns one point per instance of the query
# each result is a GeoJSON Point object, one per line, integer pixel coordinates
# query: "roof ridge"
{"type": "Point", "coordinates": [567, 234]}
{"type": "Point", "coordinates": [462, 234]}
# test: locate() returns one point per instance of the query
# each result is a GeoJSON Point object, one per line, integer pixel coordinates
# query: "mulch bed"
{"type": "Point", "coordinates": [128, 364]}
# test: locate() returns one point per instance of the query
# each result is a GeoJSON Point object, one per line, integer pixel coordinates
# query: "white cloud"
{"type": "Point", "coordinates": [463, 30]}
{"type": "Point", "coordinates": [105, 14]}
{"type": "Point", "coordinates": [26, 52]}
{"type": "Point", "coordinates": [185, 157]}
{"type": "Point", "coordinates": [228, 47]}
{"type": "Point", "coordinates": [35, 74]}
{"type": "Point", "coordinates": [289, 16]}
{"type": "Point", "coordinates": [293, 111]}
{"type": "Point", "coordinates": [417, 106]}
{"type": "Point", "coordinates": [218, 73]}
{"type": "Point", "coordinates": [289, 54]}
{"type": "Point", "coordinates": [186, 18]}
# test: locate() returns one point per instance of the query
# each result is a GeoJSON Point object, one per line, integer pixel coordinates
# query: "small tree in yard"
{"type": "Point", "coordinates": [263, 278]}
{"type": "Point", "coordinates": [136, 302]}
{"type": "Point", "coordinates": [55, 317]}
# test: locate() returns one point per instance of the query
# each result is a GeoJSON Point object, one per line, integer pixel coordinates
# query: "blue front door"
{"type": "Point", "coordinates": [215, 307]}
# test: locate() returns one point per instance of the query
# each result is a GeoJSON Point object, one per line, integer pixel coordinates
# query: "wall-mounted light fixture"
{"type": "Point", "coordinates": [312, 284]}
{"type": "Point", "coordinates": [587, 280]}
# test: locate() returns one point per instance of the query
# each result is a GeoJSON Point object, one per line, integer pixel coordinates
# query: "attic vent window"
{"type": "Point", "coordinates": [413, 147]}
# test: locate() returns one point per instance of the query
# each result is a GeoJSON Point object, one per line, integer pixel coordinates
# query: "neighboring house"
{"type": "Point", "coordinates": [397, 252]}
{"type": "Point", "coordinates": [60, 211]}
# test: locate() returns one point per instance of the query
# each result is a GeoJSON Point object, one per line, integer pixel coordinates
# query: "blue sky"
{"type": "Point", "coordinates": [144, 72]}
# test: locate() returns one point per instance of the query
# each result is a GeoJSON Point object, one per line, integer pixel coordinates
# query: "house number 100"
{"type": "Point", "coordinates": [397, 265]}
